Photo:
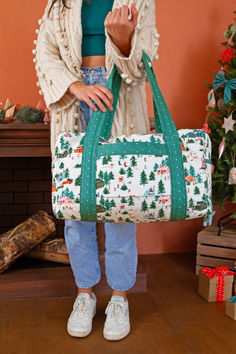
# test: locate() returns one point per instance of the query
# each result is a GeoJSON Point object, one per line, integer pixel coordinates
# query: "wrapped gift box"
{"type": "Point", "coordinates": [216, 284]}
{"type": "Point", "coordinates": [230, 307]}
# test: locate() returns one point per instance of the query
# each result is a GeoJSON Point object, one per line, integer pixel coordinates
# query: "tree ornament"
{"type": "Point", "coordinates": [221, 148]}
{"type": "Point", "coordinates": [220, 103]}
{"type": "Point", "coordinates": [228, 124]}
{"type": "Point", "coordinates": [205, 128]}
{"type": "Point", "coordinates": [232, 172]}
{"type": "Point", "coordinates": [232, 176]}
{"type": "Point", "coordinates": [7, 104]}
{"type": "Point", "coordinates": [229, 86]}
{"type": "Point", "coordinates": [227, 55]}
{"type": "Point", "coordinates": [211, 99]}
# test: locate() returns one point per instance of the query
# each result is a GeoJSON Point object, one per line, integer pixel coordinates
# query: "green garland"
{"type": "Point", "coordinates": [26, 114]}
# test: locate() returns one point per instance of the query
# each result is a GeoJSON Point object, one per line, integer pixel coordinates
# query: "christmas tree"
{"type": "Point", "coordinates": [221, 122]}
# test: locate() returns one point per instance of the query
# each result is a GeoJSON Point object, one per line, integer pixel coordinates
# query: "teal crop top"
{"type": "Point", "coordinates": [93, 15]}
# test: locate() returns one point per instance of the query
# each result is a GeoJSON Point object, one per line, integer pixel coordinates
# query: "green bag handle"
{"type": "Point", "coordinates": [99, 128]}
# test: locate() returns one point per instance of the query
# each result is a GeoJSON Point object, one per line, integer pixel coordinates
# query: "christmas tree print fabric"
{"type": "Point", "coordinates": [132, 188]}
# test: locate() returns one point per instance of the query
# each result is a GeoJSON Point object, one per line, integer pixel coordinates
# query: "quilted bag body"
{"type": "Point", "coordinates": [137, 178]}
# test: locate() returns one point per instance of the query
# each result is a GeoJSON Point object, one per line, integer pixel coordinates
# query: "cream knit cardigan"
{"type": "Point", "coordinates": [58, 64]}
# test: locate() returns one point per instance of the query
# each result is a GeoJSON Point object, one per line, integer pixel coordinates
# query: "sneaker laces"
{"type": "Point", "coordinates": [81, 309]}
{"type": "Point", "coordinates": [115, 311]}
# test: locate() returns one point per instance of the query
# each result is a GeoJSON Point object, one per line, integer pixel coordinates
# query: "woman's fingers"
{"type": "Point", "coordinates": [98, 93]}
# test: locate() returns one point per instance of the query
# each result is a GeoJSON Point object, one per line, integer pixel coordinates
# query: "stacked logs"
{"type": "Point", "coordinates": [29, 239]}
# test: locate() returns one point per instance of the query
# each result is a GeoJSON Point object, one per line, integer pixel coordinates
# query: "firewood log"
{"type": "Point", "coordinates": [52, 249]}
{"type": "Point", "coordinates": [23, 237]}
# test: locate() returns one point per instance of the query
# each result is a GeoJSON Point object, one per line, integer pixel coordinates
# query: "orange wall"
{"type": "Point", "coordinates": [191, 32]}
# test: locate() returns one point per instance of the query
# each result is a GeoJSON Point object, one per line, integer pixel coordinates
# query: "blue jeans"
{"type": "Point", "coordinates": [81, 238]}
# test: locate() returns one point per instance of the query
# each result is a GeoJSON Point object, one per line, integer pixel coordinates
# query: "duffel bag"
{"type": "Point", "coordinates": [138, 178]}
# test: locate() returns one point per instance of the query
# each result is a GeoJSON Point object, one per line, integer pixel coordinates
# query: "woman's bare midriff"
{"type": "Point", "coordinates": [93, 60]}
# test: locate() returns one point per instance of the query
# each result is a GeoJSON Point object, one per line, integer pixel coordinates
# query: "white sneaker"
{"type": "Point", "coordinates": [117, 324]}
{"type": "Point", "coordinates": [79, 323]}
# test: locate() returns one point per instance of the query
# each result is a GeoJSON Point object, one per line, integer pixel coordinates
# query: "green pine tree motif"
{"type": "Point", "coordinates": [206, 184]}
{"type": "Point", "coordinates": [102, 201]}
{"type": "Point", "coordinates": [125, 212]}
{"type": "Point", "coordinates": [118, 140]}
{"type": "Point", "coordinates": [122, 171]}
{"type": "Point", "coordinates": [67, 173]}
{"type": "Point", "coordinates": [133, 161]}
{"type": "Point", "coordinates": [106, 191]}
{"type": "Point", "coordinates": [107, 204]}
{"type": "Point", "coordinates": [192, 171]}
{"type": "Point", "coordinates": [78, 181]}
{"type": "Point", "coordinates": [120, 219]}
{"type": "Point", "coordinates": [199, 178]}
{"type": "Point", "coordinates": [152, 176]}
{"type": "Point", "coordinates": [60, 215]}
{"type": "Point", "coordinates": [161, 213]}
{"type": "Point", "coordinates": [54, 199]}
{"type": "Point", "coordinates": [124, 140]}
{"type": "Point", "coordinates": [131, 201]}
{"type": "Point", "coordinates": [184, 158]}
{"type": "Point", "coordinates": [100, 175]}
{"type": "Point", "coordinates": [68, 193]}
{"type": "Point", "coordinates": [106, 178]}
{"type": "Point", "coordinates": [155, 167]}
{"type": "Point", "coordinates": [143, 178]}
{"type": "Point", "coordinates": [77, 165]}
{"type": "Point", "coordinates": [144, 206]}
{"type": "Point", "coordinates": [109, 158]}
{"type": "Point", "coordinates": [107, 214]}
{"type": "Point", "coordinates": [111, 175]}
{"type": "Point", "coordinates": [123, 187]}
{"type": "Point", "coordinates": [105, 160]}
{"type": "Point", "coordinates": [185, 171]}
{"type": "Point", "coordinates": [129, 172]}
{"type": "Point", "coordinates": [152, 139]}
{"type": "Point", "coordinates": [196, 190]}
{"type": "Point", "coordinates": [73, 217]}
{"type": "Point", "coordinates": [165, 162]}
{"type": "Point", "coordinates": [191, 203]}
{"type": "Point", "coordinates": [153, 205]}
{"type": "Point", "coordinates": [161, 187]}
{"type": "Point", "coordinates": [128, 220]}
{"type": "Point", "coordinates": [123, 200]}
{"type": "Point", "coordinates": [61, 165]}
{"type": "Point", "coordinates": [201, 142]}
{"type": "Point", "coordinates": [77, 200]}
{"type": "Point", "coordinates": [112, 204]}
{"type": "Point", "coordinates": [56, 151]}
{"type": "Point", "coordinates": [64, 145]}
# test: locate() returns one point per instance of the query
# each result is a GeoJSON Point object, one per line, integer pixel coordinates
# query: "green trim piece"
{"type": "Point", "coordinates": [99, 127]}
{"type": "Point", "coordinates": [133, 147]}
{"type": "Point", "coordinates": [171, 138]}
{"type": "Point", "coordinates": [94, 131]}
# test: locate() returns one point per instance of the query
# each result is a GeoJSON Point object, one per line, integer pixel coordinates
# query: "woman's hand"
{"type": "Point", "coordinates": [119, 28]}
{"type": "Point", "coordinates": [87, 92]}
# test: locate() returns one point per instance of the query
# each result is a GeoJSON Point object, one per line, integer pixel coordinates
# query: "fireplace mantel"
{"type": "Point", "coordinates": [25, 140]}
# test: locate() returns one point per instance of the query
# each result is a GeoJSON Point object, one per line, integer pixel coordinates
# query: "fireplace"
{"type": "Point", "coordinates": [25, 188]}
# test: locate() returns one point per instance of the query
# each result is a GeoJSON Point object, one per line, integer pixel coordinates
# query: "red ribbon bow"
{"type": "Point", "coordinates": [220, 272]}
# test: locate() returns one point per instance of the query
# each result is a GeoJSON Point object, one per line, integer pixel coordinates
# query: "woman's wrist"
{"type": "Point", "coordinates": [75, 84]}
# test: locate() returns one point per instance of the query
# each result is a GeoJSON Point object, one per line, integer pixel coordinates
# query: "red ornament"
{"type": "Point", "coordinates": [227, 55]}
{"type": "Point", "coordinates": [205, 128]}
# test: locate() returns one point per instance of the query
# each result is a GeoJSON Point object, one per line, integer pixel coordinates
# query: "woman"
{"type": "Point", "coordinates": [77, 44]}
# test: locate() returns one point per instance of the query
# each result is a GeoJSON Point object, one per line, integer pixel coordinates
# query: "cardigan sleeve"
{"type": "Point", "coordinates": [54, 78]}
{"type": "Point", "coordinates": [145, 38]}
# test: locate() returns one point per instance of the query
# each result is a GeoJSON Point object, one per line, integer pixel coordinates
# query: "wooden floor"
{"type": "Point", "coordinates": [170, 318]}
